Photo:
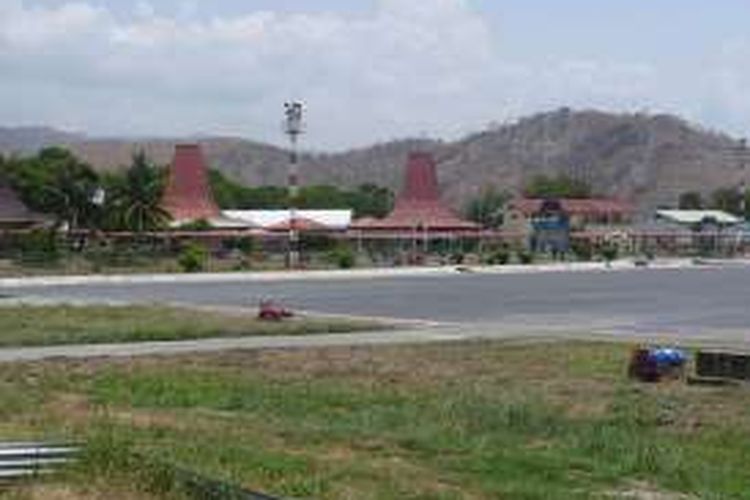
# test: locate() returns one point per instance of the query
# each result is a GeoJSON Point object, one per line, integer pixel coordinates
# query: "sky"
{"type": "Point", "coordinates": [367, 71]}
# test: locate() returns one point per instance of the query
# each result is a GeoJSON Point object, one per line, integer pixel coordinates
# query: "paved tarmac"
{"type": "Point", "coordinates": [689, 301]}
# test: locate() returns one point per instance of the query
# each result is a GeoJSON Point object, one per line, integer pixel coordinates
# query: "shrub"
{"type": "Point", "coordinates": [609, 251]}
{"type": "Point", "coordinates": [246, 245]}
{"type": "Point", "coordinates": [582, 250]}
{"type": "Point", "coordinates": [343, 257]}
{"type": "Point", "coordinates": [193, 258]}
{"type": "Point", "coordinates": [499, 257]}
{"type": "Point", "coordinates": [525, 257]}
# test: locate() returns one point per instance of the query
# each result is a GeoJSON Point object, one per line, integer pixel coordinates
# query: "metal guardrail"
{"type": "Point", "coordinates": [23, 460]}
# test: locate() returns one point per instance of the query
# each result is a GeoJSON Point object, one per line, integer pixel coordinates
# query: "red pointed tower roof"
{"type": "Point", "coordinates": [188, 195]}
{"type": "Point", "coordinates": [419, 205]}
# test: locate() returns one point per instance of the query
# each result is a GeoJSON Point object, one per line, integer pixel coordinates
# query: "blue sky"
{"type": "Point", "coordinates": [369, 70]}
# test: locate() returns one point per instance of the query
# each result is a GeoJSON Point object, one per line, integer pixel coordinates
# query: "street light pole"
{"type": "Point", "coordinates": [293, 128]}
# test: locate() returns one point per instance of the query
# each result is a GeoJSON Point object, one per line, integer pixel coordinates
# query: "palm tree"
{"type": "Point", "coordinates": [69, 190]}
{"type": "Point", "coordinates": [136, 200]}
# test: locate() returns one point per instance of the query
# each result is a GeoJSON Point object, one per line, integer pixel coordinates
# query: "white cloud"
{"type": "Point", "coordinates": [405, 68]}
{"type": "Point", "coordinates": [38, 27]}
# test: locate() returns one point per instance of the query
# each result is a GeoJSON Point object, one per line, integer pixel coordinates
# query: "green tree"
{"type": "Point", "coordinates": [365, 200]}
{"type": "Point", "coordinates": [322, 196]}
{"type": "Point", "coordinates": [560, 186]}
{"type": "Point", "coordinates": [487, 208]}
{"type": "Point", "coordinates": [690, 200]}
{"type": "Point", "coordinates": [232, 195]}
{"type": "Point", "coordinates": [56, 182]}
{"type": "Point", "coordinates": [728, 200]}
{"type": "Point", "coordinates": [371, 200]}
{"type": "Point", "coordinates": [227, 193]}
{"type": "Point", "coordinates": [135, 200]}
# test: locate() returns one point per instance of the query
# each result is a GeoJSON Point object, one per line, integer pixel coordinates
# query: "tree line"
{"type": "Point", "coordinates": [732, 200]}
{"type": "Point", "coordinates": [366, 200]}
{"type": "Point", "coordinates": [56, 182]}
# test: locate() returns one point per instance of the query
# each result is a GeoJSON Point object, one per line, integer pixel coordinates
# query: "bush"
{"type": "Point", "coordinates": [246, 245]}
{"type": "Point", "coordinates": [193, 258]}
{"type": "Point", "coordinates": [609, 251]}
{"type": "Point", "coordinates": [499, 258]}
{"type": "Point", "coordinates": [582, 250]}
{"type": "Point", "coordinates": [525, 257]}
{"type": "Point", "coordinates": [343, 257]}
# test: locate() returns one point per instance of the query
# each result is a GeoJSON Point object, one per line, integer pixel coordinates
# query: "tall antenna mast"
{"type": "Point", "coordinates": [293, 127]}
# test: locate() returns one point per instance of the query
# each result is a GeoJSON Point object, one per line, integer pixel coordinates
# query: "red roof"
{"type": "Point", "coordinates": [591, 206]}
{"type": "Point", "coordinates": [188, 194]}
{"type": "Point", "coordinates": [418, 205]}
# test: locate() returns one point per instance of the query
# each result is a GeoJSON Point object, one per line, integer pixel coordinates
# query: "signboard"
{"type": "Point", "coordinates": [723, 365]}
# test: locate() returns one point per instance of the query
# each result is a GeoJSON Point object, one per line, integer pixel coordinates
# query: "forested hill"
{"type": "Point", "coordinates": [647, 158]}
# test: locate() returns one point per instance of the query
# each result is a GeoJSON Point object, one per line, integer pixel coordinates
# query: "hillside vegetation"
{"type": "Point", "coordinates": [648, 158]}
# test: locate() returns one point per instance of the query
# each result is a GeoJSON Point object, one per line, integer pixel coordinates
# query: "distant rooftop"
{"type": "Point", "coordinates": [188, 195]}
{"type": "Point", "coordinates": [583, 206]}
{"type": "Point", "coordinates": [418, 204]}
{"type": "Point", "coordinates": [306, 220]}
{"type": "Point", "coordinates": [14, 211]}
{"type": "Point", "coordinates": [698, 216]}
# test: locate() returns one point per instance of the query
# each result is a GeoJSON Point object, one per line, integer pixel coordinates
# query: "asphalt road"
{"type": "Point", "coordinates": [685, 301]}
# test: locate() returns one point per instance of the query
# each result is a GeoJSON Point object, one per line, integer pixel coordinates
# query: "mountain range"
{"type": "Point", "coordinates": [649, 159]}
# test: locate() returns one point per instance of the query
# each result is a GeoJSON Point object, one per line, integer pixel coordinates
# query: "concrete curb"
{"type": "Point", "coordinates": [360, 274]}
{"type": "Point", "coordinates": [170, 348]}
{"type": "Point", "coordinates": [362, 339]}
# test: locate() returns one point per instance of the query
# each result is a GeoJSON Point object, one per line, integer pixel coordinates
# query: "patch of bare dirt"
{"type": "Point", "coordinates": [62, 492]}
{"type": "Point", "coordinates": [643, 491]}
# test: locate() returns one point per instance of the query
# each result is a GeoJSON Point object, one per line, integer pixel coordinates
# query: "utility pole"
{"type": "Point", "coordinates": [742, 157]}
{"type": "Point", "coordinates": [293, 127]}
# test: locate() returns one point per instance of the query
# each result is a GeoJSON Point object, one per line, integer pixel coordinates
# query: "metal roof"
{"type": "Point", "coordinates": [276, 219]}
{"type": "Point", "coordinates": [697, 216]}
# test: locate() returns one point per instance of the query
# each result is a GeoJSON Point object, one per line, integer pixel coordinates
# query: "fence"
{"type": "Point", "coordinates": [24, 460]}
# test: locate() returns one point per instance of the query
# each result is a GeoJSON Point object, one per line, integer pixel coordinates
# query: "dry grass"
{"type": "Point", "coordinates": [78, 492]}
{"type": "Point", "coordinates": [474, 420]}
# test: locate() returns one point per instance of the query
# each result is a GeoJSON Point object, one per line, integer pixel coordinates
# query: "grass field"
{"type": "Point", "coordinates": [55, 325]}
{"type": "Point", "coordinates": [481, 420]}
